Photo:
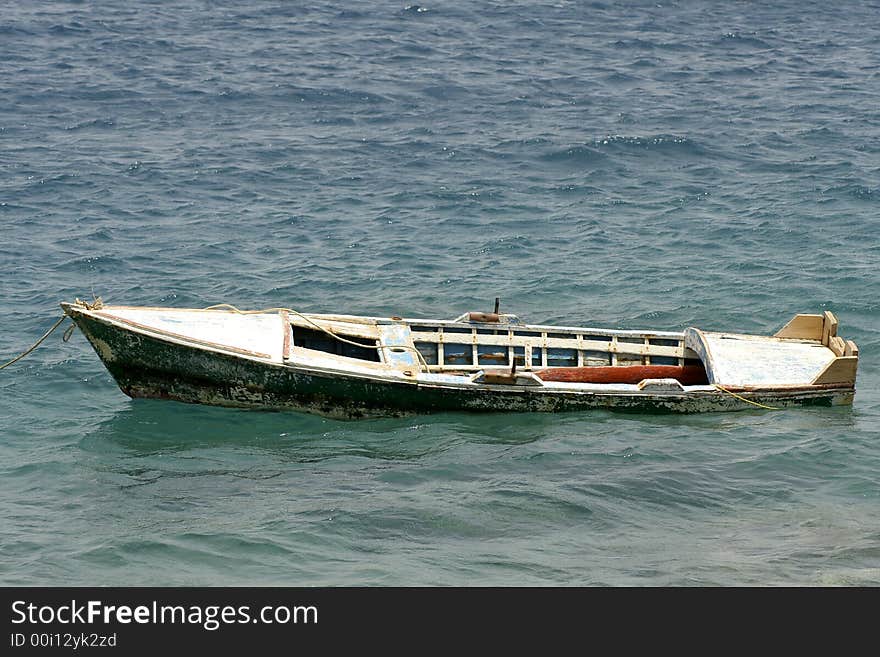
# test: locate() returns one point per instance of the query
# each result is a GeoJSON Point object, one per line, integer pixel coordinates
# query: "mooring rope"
{"type": "Point", "coordinates": [40, 341]}
{"type": "Point", "coordinates": [747, 401]}
{"type": "Point", "coordinates": [291, 311]}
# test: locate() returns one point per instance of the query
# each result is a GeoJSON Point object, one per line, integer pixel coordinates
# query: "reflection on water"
{"type": "Point", "coordinates": [145, 427]}
{"type": "Point", "coordinates": [173, 483]}
{"type": "Point", "coordinates": [148, 442]}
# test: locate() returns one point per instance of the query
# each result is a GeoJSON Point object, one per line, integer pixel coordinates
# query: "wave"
{"type": "Point", "coordinates": [856, 191]}
{"type": "Point", "coordinates": [72, 29]}
{"type": "Point", "coordinates": [580, 154]}
{"type": "Point", "coordinates": [321, 95]}
{"type": "Point", "coordinates": [746, 40]}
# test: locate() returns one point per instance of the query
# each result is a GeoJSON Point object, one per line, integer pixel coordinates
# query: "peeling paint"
{"type": "Point", "coordinates": [105, 352]}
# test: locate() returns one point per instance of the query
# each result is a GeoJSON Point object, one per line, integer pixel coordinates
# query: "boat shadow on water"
{"type": "Point", "coordinates": [162, 443]}
{"type": "Point", "coordinates": [145, 427]}
{"type": "Point", "coordinates": [149, 427]}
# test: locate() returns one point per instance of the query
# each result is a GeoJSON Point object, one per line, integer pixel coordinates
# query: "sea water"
{"type": "Point", "coordinates": [649, 165]}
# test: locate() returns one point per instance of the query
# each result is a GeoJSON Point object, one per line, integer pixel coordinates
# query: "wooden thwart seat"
{"type": "Point", "coordinates": [689, 375]}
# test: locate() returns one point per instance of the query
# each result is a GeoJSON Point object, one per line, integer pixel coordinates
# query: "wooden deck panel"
{"type": "Point", "coordinates": [258, 334]}
{"type": "Point", "coordinates": [749, 360]}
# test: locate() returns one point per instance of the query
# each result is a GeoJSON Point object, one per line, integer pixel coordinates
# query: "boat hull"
{"type": "Point", "coordinates": [150, 366]}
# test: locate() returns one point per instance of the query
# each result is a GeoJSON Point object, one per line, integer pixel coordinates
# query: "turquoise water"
{"type": "Point", "coordinates": [636, 165]}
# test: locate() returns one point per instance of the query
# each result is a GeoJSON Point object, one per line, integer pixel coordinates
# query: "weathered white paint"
{"type": "Point", "coordinates": [324, 362]}
{"type": "Point", "coordinates": [442, 379]}
{"type": "Point", "coordinates": [259, 333]}
{"type": "Point", "coordinates": [749, 360]}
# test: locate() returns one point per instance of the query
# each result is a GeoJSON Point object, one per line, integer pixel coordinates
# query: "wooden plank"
{"type": "Point", "coordinates": [345, 329]}
{"type": "Point", "coordinates": [346, 319]}
{"type": "Point", "coordinates": [575, 342]}
{"type": "Point", "coordinates": [829, 327]}
{"type": "Point", "coordinates": [851, 349]}
{"type": "Point", "coordinates": [840, 370]}
{"type": "Point", "coordinates": [285, 326]}
{"type": "Point", "coordinates": [313, 358]}
{"type": "Point", "coordinates": [837, 345]}
{"type": "Point", "coordinates": [804, 327]}
{"type": "Point", "coordinates": [688, 374]}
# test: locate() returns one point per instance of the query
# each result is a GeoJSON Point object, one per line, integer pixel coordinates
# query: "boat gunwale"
{"type": "Point", "coordinates": [368, 319]}
{"type": "Point", "coordinates": [547, 328]}
{"type": "Point", "coordinates": [575, 341]}
{"type": "Point", "coordinates": [376, 369]}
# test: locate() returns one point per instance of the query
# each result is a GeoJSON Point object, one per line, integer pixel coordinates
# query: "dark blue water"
{"type": "Point", "coordinates": [636, 165]}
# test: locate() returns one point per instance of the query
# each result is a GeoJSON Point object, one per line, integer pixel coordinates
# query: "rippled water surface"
{"type": "Point", "coordinates": [636, 165]}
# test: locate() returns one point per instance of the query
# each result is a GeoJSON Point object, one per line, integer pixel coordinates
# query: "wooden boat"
{"type": "Point", "coordinates": [350, 366]}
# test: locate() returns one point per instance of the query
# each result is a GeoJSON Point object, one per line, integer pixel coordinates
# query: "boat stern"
{"type": "Point", "coordinates": [805, 355]}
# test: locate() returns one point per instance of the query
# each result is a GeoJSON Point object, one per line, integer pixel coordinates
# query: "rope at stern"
{"type": "Point", "coordinates": [747, 401]}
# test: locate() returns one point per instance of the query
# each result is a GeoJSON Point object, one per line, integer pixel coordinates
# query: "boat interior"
{"type": "Point", "coordinates": [498, 344]}
{"type": "Point", "coordinates": [805, 352]}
